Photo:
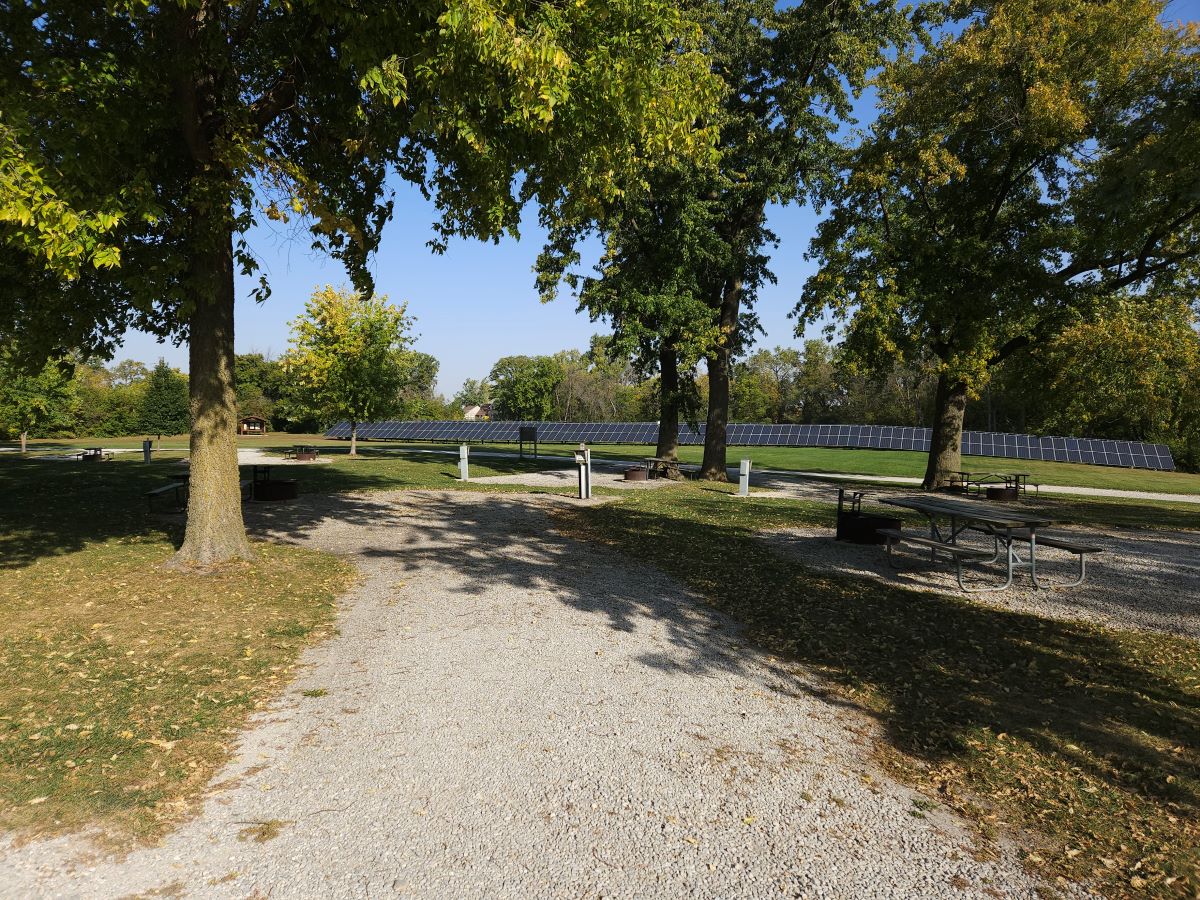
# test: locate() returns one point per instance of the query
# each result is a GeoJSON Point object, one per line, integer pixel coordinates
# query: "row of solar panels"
{"type": "Point", "coordinates": [877, 437]}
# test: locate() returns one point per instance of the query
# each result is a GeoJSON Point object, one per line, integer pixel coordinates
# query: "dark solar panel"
{"type": "Point", "coordinates": [882, 437]}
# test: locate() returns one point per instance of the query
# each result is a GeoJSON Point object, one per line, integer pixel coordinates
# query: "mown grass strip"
{"type": "Point", "coordinates": [1083, 742]}
{"type": "Point", "coordinates": [124, 682]}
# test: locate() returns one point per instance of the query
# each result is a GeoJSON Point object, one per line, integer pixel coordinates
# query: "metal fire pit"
{"type": "Point", "coordinates": [636, 473]}
{"type": "Point", "coordinates": [857, 527]}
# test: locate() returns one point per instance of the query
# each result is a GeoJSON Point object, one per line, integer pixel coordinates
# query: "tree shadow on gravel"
{"type": "Point", "coordinates": [490, 540]}
{"type": "Point", "coordinates": [1086, 735]}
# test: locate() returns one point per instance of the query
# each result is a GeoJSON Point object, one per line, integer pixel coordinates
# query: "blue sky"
{"type": "Point", "coordinates": [476, 302]}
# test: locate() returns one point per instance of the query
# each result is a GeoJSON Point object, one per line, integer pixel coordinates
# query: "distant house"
{"type": "Point", "coordinates": [252, 425]}
{"type": "Point", "coordinates": [483, 411]}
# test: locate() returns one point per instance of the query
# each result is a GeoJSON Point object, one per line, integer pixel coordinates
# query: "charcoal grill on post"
{"type": "Point", "coordinates": [856, 526]}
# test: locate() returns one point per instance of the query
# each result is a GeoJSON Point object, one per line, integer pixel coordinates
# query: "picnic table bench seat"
{"type": "Point", "coordinates": [177, 488]}
{"type": "Point", "coordinates": [1080, 549]}
{"type": "Point", "coordinates": [180, 490]}
{"type": "Point", "coordinates": [894, 537]}
{"type": "Point", "coordinates": [1067, 544]}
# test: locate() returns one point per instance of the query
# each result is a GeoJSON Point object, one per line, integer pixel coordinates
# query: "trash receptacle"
{"type": "Point", "coordinates": [147, 450]}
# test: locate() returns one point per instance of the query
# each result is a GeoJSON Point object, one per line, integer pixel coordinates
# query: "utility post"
{"type": "Point", "coordinates": [744, 479]}
{"type": "Point", "coordinates": [583, 461]}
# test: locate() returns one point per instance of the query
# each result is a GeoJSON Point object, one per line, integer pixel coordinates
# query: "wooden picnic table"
{"type": "Point", "coordinates": [1009, 526]}
{"type": "Point", "coordinates": [669, 467]}
{"type": "Point", "coordinates": [964, 481]}
{"type": "Point", "coordinates": [302, 452]}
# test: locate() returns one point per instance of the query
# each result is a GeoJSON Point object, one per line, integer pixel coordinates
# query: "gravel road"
{"type": "Point", "coordinates": [513, 714]}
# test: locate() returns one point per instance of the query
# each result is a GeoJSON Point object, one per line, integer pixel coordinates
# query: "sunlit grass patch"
{"type": "Point", "coordinates": [124, 682]}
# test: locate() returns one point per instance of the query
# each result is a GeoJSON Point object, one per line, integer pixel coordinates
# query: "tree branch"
{"type": "Point", "coordinates": [280, 96]}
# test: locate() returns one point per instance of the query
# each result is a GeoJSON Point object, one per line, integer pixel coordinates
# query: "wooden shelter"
{"type": "Point", "coordinates": [252, 425]}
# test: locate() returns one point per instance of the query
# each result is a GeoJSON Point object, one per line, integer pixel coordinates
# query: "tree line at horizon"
{"type": "Point", "coordinates": [1129, 371]}
{"type": "Point", "coordinates": [1132, 373]}
{"type": "Point", "coordinates": [1030, 162]}
{"type": "Point", "coordinates": [348, 355]}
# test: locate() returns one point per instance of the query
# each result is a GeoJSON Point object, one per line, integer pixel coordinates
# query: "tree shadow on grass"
{"type": "Point", "coordinates": [54, 507]}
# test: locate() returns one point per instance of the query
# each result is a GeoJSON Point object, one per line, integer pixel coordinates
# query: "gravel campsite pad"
{"type": "Point", "coordinates": [505, 712]}
{"type": "Point", "coordinates": [1147, 580]}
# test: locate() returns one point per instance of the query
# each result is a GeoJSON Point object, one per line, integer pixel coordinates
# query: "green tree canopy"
{"type": "Point", "coordinates": [31, 402]}
{"type": "Point", "coordinates": [684, 261]}
{"type": "Point", "coordinates": [349, 358]}
{"type": "Point", "coordinates": [1021, 168]}
{"type": "Point", "coordinates": [141, 141]}
{"type": "Point", "coordinates": [1129, 370]}
{"type": "Point", "coordinates": [108, 402]}
{"type": "Point", "coordinates": [164, 402]}
{"type": "Point", "coordinates": [473, 393]}
{"type": "Point", "coordinates": [523, 387]}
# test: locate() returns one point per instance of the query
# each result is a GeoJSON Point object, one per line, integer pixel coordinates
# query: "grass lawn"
{"type": "Point", "coordinates": [896, 463]}
{"type": "Point", "coordinates": [125, 682]}
{"type": "Point", "coordinates": [907, 464]}
{"type": "Point", "coordinates": [1083, 741]}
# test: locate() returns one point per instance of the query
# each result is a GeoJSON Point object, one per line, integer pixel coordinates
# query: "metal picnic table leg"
{"type": "Point", "coordinates": [1007, 540]}
{"type": "Point", "coordinates": [1033, 557]}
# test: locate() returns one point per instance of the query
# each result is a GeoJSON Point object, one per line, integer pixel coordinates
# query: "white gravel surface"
{"type": "Point", "coordinates": [569, 478]}
{"type": "Point", "coordinates": [1148, 580]}
{"type": "Point", "coordinates": [513, 714]}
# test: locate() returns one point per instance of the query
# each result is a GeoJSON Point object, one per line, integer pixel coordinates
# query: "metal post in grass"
{"type": "Point", "coordinates": [583, 461]}
{"type": "Point", "coordinates": [463, 451]}
{"type": "Point", "coordinates": [744, 479]}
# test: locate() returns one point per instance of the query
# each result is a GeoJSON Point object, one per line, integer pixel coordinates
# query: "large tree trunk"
{"type": "Point", "coordinates": [354, 439]}
{"type": "Point", "coordinates": [670, 403]}
{"type": "Point", "coordinates": [714, 465]}
{"type": "Point", "coordinates": [215, 530]}
{"type": "Point", "coordinates": [945, 439]}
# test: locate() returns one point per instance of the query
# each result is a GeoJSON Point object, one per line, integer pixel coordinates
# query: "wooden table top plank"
{"type": "Point", "coordinates": [1003, 517]}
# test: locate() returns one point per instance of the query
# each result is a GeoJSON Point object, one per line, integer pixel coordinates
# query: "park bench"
{"type": "Point", "coordinates": [893, 537]}
{"type": "Point", "coordinates": [656, 464]}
